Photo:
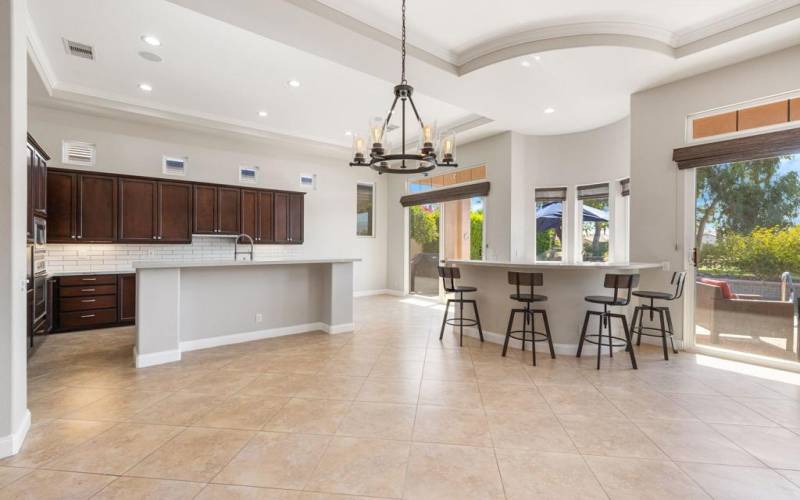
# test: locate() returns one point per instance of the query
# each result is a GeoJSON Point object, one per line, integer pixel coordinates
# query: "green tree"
{"type": "Point", "coordinates": [424, 227]}
{"type": "Point", "coordinates": [739, 197]}
{"type": "Point", "coordinates": [476, 235]}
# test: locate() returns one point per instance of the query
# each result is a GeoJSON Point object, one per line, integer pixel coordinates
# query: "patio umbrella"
{"type": "Point", "coordinates": [550, 216]}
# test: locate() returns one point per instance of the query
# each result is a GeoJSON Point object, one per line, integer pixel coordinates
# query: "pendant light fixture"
{"type": "Point", "coordinates": [426, 157]}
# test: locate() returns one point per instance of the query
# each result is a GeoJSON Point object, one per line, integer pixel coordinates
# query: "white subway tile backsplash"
{"type": "Point", "coordinates": [118, 257]}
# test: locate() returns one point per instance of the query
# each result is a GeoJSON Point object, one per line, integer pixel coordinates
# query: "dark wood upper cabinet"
{"type": "Point", "coordinates": [97, 208]}
{"type": "Point", "coordinates": [138, 210]}
{"type": "Point", "coordinates": [281, 217]}
{"type": "Point", "coordinates": [174, 212]}
{"type": "Point", "coordinates": [266, 218]}
{"type": "Point", "coordinates": [249, 217]}
{"type": "Point", "coordinates": [62, 201]}
{"type": "Point", "coordinates": [37, 183]}
{"type": "Point", "coordinates": [228, 212]}
{"type": "Point", "coordinates": [205, 210]}
{"type": "Point", "coordinates": [296, 217]}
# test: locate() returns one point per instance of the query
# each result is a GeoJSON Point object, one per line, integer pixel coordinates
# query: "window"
{"type": "Point", "coordinates": [593, 207]}
{"type": "Point", "coordinates": [365, 209]}
{"type": "Point", "coordinates": [550, 223]}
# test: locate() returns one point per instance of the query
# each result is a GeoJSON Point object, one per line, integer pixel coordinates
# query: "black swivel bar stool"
{"type": "Point", "coordinates": [677, 280]}
{"type": "Point", "coordinates": [449, 275]}
{"type": "Point", "coordinates": [531, 280]}
{"type": "Point", "coordinates": [622, 285]}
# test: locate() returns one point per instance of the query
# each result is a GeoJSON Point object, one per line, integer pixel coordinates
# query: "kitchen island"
{"type": "Point", "coordinates": [184, 306]}
{"type": "Point", "coordinates": [565, 284]}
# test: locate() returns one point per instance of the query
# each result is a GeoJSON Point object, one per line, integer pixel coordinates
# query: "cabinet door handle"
{"type": "Point", "coordinates": [73, 236]}
{"type": "Point", "coordinates": [88, 279]}
{"type": "Point", "coordinates": [80, 236]}
{"type": "Point", "coordinates": [87, 315]}
{"type": "Point", "coordinates": [87, 289]}
{"type": "Point", "coordinates": [88, 301]}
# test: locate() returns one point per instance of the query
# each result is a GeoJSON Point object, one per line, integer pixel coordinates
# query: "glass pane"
{"type": "Point", "coordinates": [549, 226]}
{"type": "Point", "coordinates": [747, 234]}
{"type": "Point", "coordinates": [463, 229]}
{"type": "Point", "coordinates": [364, 209]}
{"type": "Point", "coordinates": [423, 249]}
{"type": "Point", "coordinates": [594, 230]}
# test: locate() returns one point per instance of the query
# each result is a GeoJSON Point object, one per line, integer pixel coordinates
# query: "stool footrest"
{"type": "Point", "coordinates": [588, 338]}
{"type": "Point", "coordinates": [528, 339]}
{"type": "Point", "coordinates": [461, 321]}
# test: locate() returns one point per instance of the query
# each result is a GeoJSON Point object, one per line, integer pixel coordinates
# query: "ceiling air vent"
{"type": "Point", "coordinates": [79, 49]}
{"type": "Point", "coordinates": [248, 175]}
{"type": "Point", "coordinates": [78, 153]}
{"type": "Point", "coordinates": [174, 165]}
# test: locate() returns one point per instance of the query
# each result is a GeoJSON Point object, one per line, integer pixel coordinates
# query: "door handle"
{"type": "Point", "coordinates": [88, 279]}
{"type": "Point", "coordinates": [87, 289]}
{"type": "Point", "coordinates": [88, 301]}
{"type": "Point", "coordinates": [87, 315]}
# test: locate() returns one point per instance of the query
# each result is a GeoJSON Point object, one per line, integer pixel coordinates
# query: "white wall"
{"type": "Point", "coordinates": [495, 153]}
{"type": "Point", "coordinates": [570, 160]}
{"type": "Point", "coordinates": [135, 148]}
{"type": "Point", "coordinates": [659, 201]}
{"type": "Point", "coordinates": [14, 415]}
{"type": "Point", "coordinates": [515, 165]}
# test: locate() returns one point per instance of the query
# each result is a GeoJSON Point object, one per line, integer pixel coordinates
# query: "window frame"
{"type": "Point", "coordinates": [373, 225]}
{"type": "Point", "coordinates": [566, 221]}
{"type": "Point", "coordinates": [577, 244]}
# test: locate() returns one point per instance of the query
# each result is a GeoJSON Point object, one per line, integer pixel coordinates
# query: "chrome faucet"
{"type": "Point", "coordinates": [236, 251]}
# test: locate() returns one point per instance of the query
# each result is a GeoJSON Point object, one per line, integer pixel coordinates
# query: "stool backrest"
{"type": "Point", "coordinates": [449, 275]}
{"type": "Point", "coordinates": [622, 285]}
{"type": "Point", "coordinates": [525, 279]}
{"type": "Point", "coordinates": [678, 279]}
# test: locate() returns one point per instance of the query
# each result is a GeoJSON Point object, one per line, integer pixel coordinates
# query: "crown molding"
{"type": "Point", "coordinates": [75, 98]}
{"type": "Point", "coordinates": [39, 58]}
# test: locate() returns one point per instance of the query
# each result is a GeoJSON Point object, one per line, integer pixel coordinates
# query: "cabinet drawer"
{"type": "Point", "coordinates": [95, 279]}
{"type": "Point", "coordinates": [88, 318]}
{"type": "Point", "coordinates": [87, 290]}
{"type": "Point", "coordinates": [88, 303]}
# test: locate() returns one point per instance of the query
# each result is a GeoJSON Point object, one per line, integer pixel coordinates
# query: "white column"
{"type": "Point", "coordinates": [14, 414]}
{"type": "Point", "coordinates": [158, 316]}
{"type": "Point", "coordinates": [340, 293]}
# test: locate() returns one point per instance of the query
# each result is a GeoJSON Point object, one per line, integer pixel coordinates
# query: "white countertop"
{"type": "Point", "coordinates": [238, 263]}
{"type": "Point", "coordinates": [610, 266]}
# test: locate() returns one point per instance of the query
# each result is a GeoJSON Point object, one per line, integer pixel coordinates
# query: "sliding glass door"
{"type": "Point", "coordinates": [423, 248]}
{"type": "Point", "coordinates": [747, 239]}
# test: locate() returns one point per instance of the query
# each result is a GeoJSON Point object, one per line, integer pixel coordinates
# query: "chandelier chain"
{"type": "Point", "coordinates": [403, 46]}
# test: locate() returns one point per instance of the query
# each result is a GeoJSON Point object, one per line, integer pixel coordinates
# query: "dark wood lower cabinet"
{"type": "Point", "coordinates": [82, 302]}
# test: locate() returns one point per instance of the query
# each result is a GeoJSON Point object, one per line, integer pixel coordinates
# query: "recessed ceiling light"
{"type": "Point", "coordinates": [293, 83]}
{"type": "Point", "coordinates": [348, 132]}
{"type": "Point", "coordinates": [549, 110]}
{"type": "Point", "coordinates": [151, 40]}
{"type": "Point", "coordinates": [538, 58]}
{"type": "Point", "coordinates": [262, 114]}
{"type": "Point", "coordinates": [145, 87]}
{"type": "Point", "coordinates": [525, 64]}
{"type": "Point", "coordinates": [149, 56]}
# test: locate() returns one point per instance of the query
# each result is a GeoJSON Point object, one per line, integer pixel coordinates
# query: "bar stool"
{"type": "Point", "coordinates": [677, 280]}
{"type": "Point", "coordinates": [531, 280]}
{"type": "Point", "coordinates": [449, 275]}
{"type": "Point", "coordinates": [622, 285]}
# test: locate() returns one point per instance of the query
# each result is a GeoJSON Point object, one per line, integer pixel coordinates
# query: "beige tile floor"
{"type": "Point", "coordinates": [391, 412]}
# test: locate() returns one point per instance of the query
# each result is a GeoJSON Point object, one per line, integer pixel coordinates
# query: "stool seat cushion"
{"type": "Point", "coordinates": [602, 299]}
{"type": "Point", "coordinates": [653, 295]}
{"type": "Point", "coordinates": [526, 297]}
{"type": "Point", "coordinates": [460, 289]}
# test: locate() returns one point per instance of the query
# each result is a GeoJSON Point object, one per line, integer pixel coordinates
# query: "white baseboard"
{"type": "Point", "coordinates": [343, 328]}
{"type": "Point", "coordinates": [384, 291]}
{"type": "Point", "coordinates": [11, 444]}
{"type": "Point", "coordinates": [155, 358]}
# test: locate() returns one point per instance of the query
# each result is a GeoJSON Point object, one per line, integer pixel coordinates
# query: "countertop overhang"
{"type": "Point", "coordinates": [609, 266]}
{"type": "Point", "coordinates": [237, 263]}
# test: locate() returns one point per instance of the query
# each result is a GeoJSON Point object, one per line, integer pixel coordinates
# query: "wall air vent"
{"type": "Point", "coordinates": [79, 49]}
{"type": "Point", "coordinates": [78, 153]}
{"type": "Point", "coordinates": [308, 181]}
{"type": "Point", "coordinates": [248, 175]}
{"type": "Point", "coordinates": [174, 165]}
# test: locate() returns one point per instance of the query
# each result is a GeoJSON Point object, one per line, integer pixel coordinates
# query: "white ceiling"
{"type": "Point", "coordinates": [225, 61]}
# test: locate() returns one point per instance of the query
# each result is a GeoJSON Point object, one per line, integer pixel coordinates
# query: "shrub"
{"type": "Point", "coordinates": [765, 253]}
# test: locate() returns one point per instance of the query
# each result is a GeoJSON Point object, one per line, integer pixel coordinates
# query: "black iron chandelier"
{"type": "Point", "coordinates": [425, 158]}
